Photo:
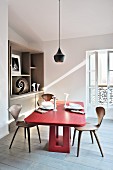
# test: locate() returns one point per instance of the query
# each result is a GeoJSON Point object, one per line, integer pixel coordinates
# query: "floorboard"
{"type": "Point", "coordinates": [90, 158]}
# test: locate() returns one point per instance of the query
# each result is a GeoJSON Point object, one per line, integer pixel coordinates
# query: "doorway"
{"type": "Point", "coordinates": [99, 79]}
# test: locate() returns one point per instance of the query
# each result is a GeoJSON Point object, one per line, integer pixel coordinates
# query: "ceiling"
{"type": "Point", "coordinates": [38, 19]}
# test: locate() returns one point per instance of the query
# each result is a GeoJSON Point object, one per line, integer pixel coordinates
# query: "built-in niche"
{"type": "Point", "coordinates": [26, 69]}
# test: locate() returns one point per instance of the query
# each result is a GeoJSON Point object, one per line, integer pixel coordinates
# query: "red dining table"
{"type": "Point", "coordinates": [54, 119]}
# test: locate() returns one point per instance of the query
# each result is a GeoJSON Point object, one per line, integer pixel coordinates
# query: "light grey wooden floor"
{"type": "Point", "coordinates": [39, 158]}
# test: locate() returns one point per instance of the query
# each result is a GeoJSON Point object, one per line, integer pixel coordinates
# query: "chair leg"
{"type": "Point", "coordinates": [98, 144]}
{"type": "Point", "coordinates": [38, 133]}
{"type": "Point", "coordinates": [28, 132]}
{"type": "Point", "coordinates": [91, 136]}
{"type": "Point", "coordinates": [74, 137]}
{"type": "Point", "coordinates": [13, 137]}
{"type": "Point", "coordinates": [79, 138]}
{"type": "Point", "coordinates": [25, 132]}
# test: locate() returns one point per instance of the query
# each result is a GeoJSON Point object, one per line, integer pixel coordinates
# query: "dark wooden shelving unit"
{"type": "Point", "coordinates": [32, 66]}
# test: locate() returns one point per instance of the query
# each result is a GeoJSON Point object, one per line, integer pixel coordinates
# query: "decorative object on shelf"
{"type": "Point", "coordinates": [59, 56]}
{"type": "Point", "coordinates": [22, 86]}
{"type": "Point", "coordinates": [34, 87]}
{"type": "Point", "coordinates": [16, 67]}
{"type": "Point", "coordinates": [38, 87]}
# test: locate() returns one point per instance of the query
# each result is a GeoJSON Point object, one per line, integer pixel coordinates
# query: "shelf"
{"type": "Point", "coordinates": [27, 75]}
{"type": "Point", "coordinates": [32, 67]}
{"type": "Point", "coordinates": [13, 97]}
{"type": "Point", "coordinates": [22, 75]}
{"type": "Point", "coordinates": [28, 63]}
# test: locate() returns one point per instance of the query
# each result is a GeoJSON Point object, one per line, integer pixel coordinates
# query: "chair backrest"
{"type": "Point", "coordinates": [100, 113]}
{"type": "Point", "coordinates": [15, 110]}
{"type": "Point", "coordinates": [47, 96]}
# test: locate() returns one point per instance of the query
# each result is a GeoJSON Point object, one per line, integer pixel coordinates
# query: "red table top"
{"type": "Point", "coordinates": [60, 117]}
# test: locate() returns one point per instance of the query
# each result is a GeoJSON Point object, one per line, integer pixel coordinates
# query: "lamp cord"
{"type": "Point", "coordinates": [59, 23]}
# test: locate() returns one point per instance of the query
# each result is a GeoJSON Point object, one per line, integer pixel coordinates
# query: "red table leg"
{"type": "Point", "coordinates": [59, 143]}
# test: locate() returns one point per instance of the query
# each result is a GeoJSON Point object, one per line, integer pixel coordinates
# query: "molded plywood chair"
{"type": "Point", "coordinates": [91, 128]}
{"type": "Point", "coordinates": [14, 111]}
{"type": "Point", "coordinates": [47, 96]}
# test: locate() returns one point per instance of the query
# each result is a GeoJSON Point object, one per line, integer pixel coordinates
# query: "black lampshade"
{"type": "Point", "coordinates": [59, 56]}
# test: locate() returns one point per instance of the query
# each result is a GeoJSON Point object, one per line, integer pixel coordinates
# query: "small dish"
{"type": "Point", "coordinates": [40, 111]}
{"type": "Point", "coordinates": [75, 106]}
{"type": "Point", "coordinates": [46, 108]}
{"type": "Point", "coordinates": [78, 112]}
{"type": "Point", "coordinates": [47, 104]}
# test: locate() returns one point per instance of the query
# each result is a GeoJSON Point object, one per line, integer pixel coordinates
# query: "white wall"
{"type": "Point", "coordinates": [75, 53]}
{"type": "Point", "coordinates": [38, 46]}
{"type": "Point", "coordinates": [3, 67]}
{"type": "Point", "coordinates": [15, 37]}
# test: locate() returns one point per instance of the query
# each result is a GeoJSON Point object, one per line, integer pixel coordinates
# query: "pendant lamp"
{"type": "Point", "coordinates": [59, 56]}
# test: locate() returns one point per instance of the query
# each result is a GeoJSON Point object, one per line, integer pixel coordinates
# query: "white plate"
{"type": "Point", "coordinates": [80, 112]}
{"type": "Point", "coordinates": [75, 106]}
{"type": "Point", "coordinates": [47, 107]}
{"type": "Point", "coordinates": [47, 104]}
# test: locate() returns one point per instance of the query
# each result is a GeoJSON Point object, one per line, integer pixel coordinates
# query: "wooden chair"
{"type": "Point", "coordinates": [14, 111]}
{"type": "Point", "coordinates": [47, 96]}
{"type": "Point", "coordinates": [91, 128]}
